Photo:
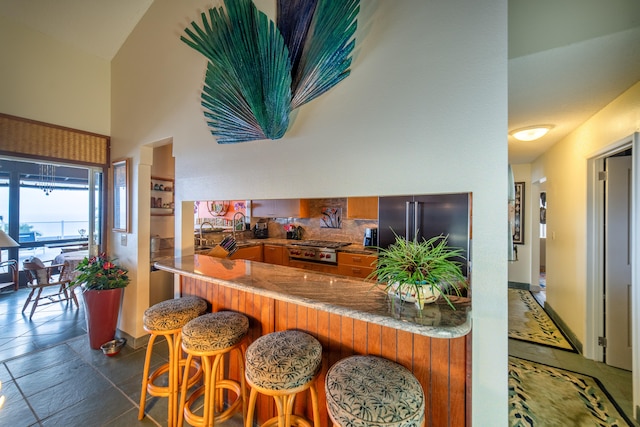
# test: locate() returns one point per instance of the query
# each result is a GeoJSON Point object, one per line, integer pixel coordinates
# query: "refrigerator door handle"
{"type": "Point", "coordinates": [416, 218]}
{"type": "Point", "coordinates": [406, 221]}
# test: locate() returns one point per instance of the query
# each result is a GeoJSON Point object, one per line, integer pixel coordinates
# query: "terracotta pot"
{"type": "Point", "coordinates": [101, 310]}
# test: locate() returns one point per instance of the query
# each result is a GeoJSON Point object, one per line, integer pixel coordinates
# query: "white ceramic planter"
{"type": "Point", "coordinates": [420, 295]}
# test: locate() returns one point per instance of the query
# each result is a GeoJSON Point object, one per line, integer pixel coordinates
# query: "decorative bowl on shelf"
{"type": "Point", "coordinates": [113, 347]}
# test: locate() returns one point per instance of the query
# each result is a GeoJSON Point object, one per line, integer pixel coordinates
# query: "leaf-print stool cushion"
{"type": "Point", "coordinates": [370, 391]}
{"type": "Point", "coordinates": [283, 360]}
{"type": "Point", "coordinates": [214, 331]}
{"type": "Point", "coordinates": [173, 313]}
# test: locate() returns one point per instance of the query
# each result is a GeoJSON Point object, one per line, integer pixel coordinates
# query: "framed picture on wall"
{"type": "Point", "coordinates": [121, 195]}
{"type": "Point", "coordinates": [518, 230]}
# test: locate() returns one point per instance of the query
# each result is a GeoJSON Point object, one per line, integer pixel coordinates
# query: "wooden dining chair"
{"type": "Point", "coordinates": [53, 278]}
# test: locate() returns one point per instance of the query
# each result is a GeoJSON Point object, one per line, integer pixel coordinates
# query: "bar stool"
{"type": "Point", "coordinates": [283, 364]}
{"type": "Point", "coordinates": [166, 319]}
{"type": "Point", "coordinates": [369, 391]}
{"type": "Point", "coordinates": [212, 336]}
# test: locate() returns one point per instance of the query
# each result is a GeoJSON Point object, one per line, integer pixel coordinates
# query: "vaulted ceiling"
{"type": "Point", "coordinates": [568, 59]}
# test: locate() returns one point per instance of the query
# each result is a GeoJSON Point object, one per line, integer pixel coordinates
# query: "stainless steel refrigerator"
{"type": "Point", "coordinates": [426, 216]}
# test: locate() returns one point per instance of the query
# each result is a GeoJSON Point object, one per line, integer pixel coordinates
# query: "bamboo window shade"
{"type": "Point", "coordinates": [20, 136]}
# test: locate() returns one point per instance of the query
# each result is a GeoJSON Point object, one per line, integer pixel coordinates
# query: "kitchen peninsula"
{"type": "Point", "coordinates": [348, 317]}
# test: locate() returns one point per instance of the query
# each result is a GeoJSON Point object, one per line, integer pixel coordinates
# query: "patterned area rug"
{"type": "Point", "coordinates": [529, 322]}
{"type": "Point", "coordinates": [541, 395]}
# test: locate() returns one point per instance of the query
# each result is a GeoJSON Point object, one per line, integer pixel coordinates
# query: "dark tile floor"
{"type": "Point", "coordinates": [51, 377]}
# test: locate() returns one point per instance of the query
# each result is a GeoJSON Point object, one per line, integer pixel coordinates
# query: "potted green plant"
{"type": "Point", "coordinates": [102, 282]}
{"type": "Point", "coordinates": [420, 271]}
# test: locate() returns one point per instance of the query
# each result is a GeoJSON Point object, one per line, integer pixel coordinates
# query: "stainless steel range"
{"type": "Point", "coordinates": [315, 250]}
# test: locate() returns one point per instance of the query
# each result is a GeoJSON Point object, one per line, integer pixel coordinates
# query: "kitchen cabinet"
{"type": "Point", "coordinates": [275, 254]}
{"type": "Point", "coordinates": [356, 265]}
{"type": "Point", "coordinates": [362, 207]}
{"type": "Point", "coordinates": [321, 268]}
{"type": "Point", "coordinates": [280, 208]}
{"type": "Point", "coordinates": [162, 196]}
{"type": "Point", "coordinates": [251, 253]}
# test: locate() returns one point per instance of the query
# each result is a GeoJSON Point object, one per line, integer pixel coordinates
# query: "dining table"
{"type": "Point", "coordinates": [72, 259]}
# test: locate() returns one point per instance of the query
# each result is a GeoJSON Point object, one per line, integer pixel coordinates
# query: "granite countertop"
{"type": "Point", "coordinates": [162, 254]}
{"type": "Point", "coordinates": [357, 299]}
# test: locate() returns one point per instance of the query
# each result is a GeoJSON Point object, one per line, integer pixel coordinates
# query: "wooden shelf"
{"type": "Point", "coordinates": [162, 200]}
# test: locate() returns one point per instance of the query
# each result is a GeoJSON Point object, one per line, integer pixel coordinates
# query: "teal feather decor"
{"type": "Point", "coordinates": [258, 72]}
{"type": "Point", "coordinates": [247, 89]}
{"type": "Point", "coordinates": [325, 59]}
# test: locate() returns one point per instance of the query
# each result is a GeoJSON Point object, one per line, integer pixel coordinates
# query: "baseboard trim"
{"type": "Point", "coordinates": [519, 285]}
{"type": "Point", "coordinates": [132, 342]}
{"type": "Point", "coordinates": [563, 326]}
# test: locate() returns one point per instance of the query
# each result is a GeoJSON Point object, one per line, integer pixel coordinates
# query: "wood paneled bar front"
{"type": "Point", "coordinates": [348, 316]}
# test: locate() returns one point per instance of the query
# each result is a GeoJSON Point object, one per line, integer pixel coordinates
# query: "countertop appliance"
{"type": "Point", "coordinates": [370, 237]}
{"type": "Point", "coordinates": [261, 229]}
{"type": "Point", "coordinates": [426, 216]}
{"type": "Point", "coordinates": [315, 250]}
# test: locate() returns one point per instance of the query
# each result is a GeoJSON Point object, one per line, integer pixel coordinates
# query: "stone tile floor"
{"type": "Point", "coordinates": [51, 377]}
{"type": "Point", "coordinates": [617, 382]}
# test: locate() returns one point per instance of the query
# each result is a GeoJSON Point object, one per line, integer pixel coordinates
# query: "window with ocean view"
{"type": "Point", "coordinates": [49, 208]}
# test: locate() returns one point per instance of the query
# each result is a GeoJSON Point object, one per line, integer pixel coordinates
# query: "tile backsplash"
{"type": "Point", "coordinates": [351, 230]}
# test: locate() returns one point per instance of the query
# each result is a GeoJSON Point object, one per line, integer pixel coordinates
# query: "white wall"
{"type": "Point", "coordinates": [424, 111]}
{"type": "Point", "coordinates": [565, 166]}
{"type": "Point", "coordinates": [45, 80]}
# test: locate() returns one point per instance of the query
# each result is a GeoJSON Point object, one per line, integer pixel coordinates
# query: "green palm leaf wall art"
{"type": "Point", "coordinates": [258, 72]}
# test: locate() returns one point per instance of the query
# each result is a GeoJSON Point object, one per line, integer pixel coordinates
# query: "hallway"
{"type": "Point", "coordinates": [617, 382]}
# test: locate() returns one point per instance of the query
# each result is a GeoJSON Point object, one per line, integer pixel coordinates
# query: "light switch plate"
{"type": "Point", "coordinates": [123, 239]}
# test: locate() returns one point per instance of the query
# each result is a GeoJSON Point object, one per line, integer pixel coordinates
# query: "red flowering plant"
{"type": "Point", "coordinates": [99, 273]}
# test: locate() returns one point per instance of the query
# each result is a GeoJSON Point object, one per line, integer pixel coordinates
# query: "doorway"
{"type": "Point", "coordinates": [542, 233]}
{"type": "Point", "coordinates": [595, 319]}
{"type": "Point", "coordinates": [49, 208]}
{"type": "Point", "coordinates": [617, 260]}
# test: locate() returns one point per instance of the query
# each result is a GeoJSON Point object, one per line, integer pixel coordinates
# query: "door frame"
{"type": "Point", "coordinates": [595, 265]}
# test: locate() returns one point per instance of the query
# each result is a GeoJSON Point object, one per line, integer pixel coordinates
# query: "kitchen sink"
{"type": "Point", "coordinates": [207, 248]}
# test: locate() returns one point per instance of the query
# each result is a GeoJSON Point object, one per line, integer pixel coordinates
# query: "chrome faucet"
{"type": "Point", "coordinates": [203, 241]}
{"type": "Point", "coordinates": [235, 222]}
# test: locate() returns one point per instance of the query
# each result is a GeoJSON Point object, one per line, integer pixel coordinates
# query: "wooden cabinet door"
{"type": "Point", "coordinates": [274, 254]}
{"type": "Point", "coordinates": [251, 253]}
{"type": "Point", "coordinates": [362, 207]}
{"type": "Point", "coordinates": [356, 265]}
{"type": "Point", "coordinates": [322, 268]}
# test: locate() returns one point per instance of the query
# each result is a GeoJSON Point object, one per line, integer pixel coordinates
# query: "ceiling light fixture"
{"type": "Point", "coordinates": [531, 133]}
{"type": "Point", "coordinates": [47, 178]}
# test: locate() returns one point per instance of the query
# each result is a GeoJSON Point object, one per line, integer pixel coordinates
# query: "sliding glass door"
{"type": "Point", "coordinates": [52, 208]}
